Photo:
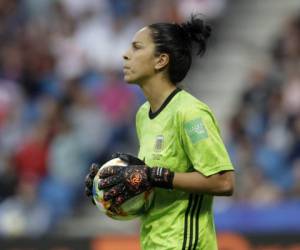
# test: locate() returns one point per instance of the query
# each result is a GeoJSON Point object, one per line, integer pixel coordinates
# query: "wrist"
{"type": "Point", "coordinates": [161, 177]}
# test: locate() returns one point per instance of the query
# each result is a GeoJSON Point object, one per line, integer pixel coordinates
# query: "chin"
{"type": "Point", "coordinates": [129, 80]}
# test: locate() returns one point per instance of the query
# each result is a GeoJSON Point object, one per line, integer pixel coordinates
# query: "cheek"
{"type": "Point", "coordinates": [144, 64]}
{"type": "Point", "coordinates": [145, 68]}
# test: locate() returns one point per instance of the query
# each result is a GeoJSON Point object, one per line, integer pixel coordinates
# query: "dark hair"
{"type": "Point", "coordinates": [176, 40]}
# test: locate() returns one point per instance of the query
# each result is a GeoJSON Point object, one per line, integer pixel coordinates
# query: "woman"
{"type": "Point", "coordinates": [176, 132]}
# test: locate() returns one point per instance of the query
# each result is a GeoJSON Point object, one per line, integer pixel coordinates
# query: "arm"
{"type": "Point", "coordinates": [213, 170]}
{"type": "Point", "coordinates": [221, 183]}
{"type": "Point", "coordinates": [122, 183]}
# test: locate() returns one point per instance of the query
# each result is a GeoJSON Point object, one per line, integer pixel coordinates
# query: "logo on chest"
{"type": "Point", "coordinates": [159, 143]}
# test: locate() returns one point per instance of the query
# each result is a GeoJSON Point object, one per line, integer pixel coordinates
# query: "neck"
{"type": "Point", "coordinates": [156, 91]}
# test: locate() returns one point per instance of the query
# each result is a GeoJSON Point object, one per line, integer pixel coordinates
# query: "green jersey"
{"type": "Point", "coordinates": [183, 136]}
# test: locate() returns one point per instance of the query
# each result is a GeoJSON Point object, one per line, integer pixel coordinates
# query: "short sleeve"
{"type": "Point", "coordinates": [202, 142]}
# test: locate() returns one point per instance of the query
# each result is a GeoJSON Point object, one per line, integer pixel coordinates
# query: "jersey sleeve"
{"type": "Point", "coordinates": [202, 142]}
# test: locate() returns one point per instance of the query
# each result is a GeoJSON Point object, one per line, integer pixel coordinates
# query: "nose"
{"type": "Point", "coordinates": [125, 55]}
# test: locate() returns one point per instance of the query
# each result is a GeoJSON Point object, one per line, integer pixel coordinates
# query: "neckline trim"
{"type": "Point", "coordinates": [152, 115]}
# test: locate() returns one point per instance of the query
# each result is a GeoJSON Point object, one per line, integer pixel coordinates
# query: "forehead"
{"type": "Point", "coordinates": [143, 36]}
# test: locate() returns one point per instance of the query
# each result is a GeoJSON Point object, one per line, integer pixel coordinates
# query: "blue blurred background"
{"type": "Point", "coordinates": [64, 105]}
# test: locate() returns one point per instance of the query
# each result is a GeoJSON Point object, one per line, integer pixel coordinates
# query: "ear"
{"type": "Point", "coordinates": [162, 61]}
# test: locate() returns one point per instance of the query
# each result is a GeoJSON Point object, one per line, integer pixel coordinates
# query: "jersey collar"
{"type": "Point", "coordinates": [152, 115]}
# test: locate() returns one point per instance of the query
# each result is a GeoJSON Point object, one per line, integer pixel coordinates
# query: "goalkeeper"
{"type": "Point", "coordinates": [181, 152]}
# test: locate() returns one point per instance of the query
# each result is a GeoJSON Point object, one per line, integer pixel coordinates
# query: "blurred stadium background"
{"type": "Point", "coordinates": [63, 105]}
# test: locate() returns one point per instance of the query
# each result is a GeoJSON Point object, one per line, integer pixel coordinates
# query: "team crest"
{"type": "Point", "coordinates": [159, 143]}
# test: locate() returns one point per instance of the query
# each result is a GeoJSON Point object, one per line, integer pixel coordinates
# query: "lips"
{"type": "Point", "coordinates": [126, 69]}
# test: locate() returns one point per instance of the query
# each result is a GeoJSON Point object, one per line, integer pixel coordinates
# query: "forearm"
{"type": "Point", "coordinates": [218, 184]}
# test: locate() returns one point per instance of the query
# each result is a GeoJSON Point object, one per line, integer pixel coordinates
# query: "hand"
{"type": "Point", "coordinates": [129, 159]}
{"type": "Point", "coordinates": [122, 183]}
{"type": "Point", "coordinates": [89, 179]}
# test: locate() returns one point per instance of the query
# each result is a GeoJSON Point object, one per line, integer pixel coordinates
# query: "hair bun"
{"type": "Point", "coordinates": [197, 31]}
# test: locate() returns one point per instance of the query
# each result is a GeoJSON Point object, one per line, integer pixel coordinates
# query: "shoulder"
{"type": "Point", "coordinates": [194, 113]}
{"type": "Point", "coordinates": [142, 111]}
{"type": "Point", "coordinates": [190, 107]}
{"type": "Point", "coordinates": [143, 108]}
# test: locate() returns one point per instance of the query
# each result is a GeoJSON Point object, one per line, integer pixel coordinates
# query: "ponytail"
{"type": "Point", "coordinates": [197, 31]}
{"type": "Point", "coordinates": [177, 41]}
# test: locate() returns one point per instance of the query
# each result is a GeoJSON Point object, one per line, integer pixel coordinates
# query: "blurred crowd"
{"type": "Point", "coordinates": [63, 103]}
{"type": "Point", "coordinates": [265, 129]}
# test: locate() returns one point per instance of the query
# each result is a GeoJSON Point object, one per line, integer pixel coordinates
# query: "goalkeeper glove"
{"type": "Point", "coordinates": [89, 181]}
{"type": "Point", "coordinates": [122, 183]}
{"type": "Point", "coordinates": [129, 159]}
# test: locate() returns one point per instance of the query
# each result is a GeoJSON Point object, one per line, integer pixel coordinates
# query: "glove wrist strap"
{"type": "Point", "coordinates": [161, 177]}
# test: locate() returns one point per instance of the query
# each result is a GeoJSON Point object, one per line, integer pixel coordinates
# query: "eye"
{"type": "Point", "coordinates": [135, 47]}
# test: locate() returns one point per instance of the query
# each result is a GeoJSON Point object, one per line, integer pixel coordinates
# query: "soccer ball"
{"type": "Point", "coordinates": [131, 208]}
